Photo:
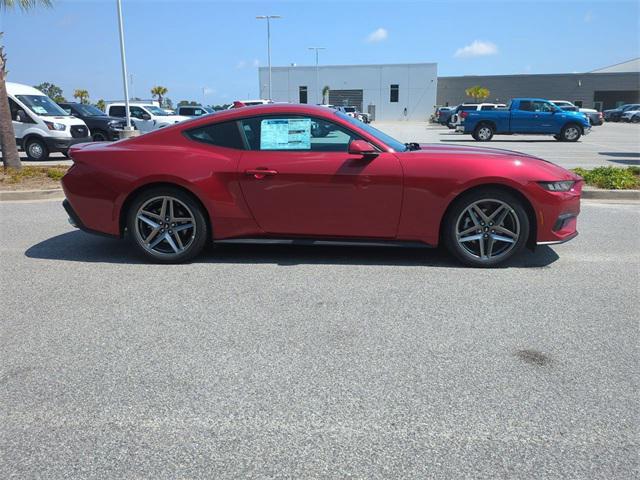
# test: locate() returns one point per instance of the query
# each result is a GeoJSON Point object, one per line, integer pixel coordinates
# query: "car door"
{"type": "Point", "coordinates": [533, 116]}
{"type": "Point", "coordinates": [296, 182]}
{"type": "Point", "coordinates": [19, 127]}
{"type": "Point", "coordinates": [137, 114]}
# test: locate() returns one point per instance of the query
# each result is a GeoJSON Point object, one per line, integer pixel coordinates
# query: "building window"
{"type": "Point", "coordinates": [303, 94]}
{"type": "Point", "coordinates": [578, 103]}
{"type": "Point", "coordinates": [394, 93]}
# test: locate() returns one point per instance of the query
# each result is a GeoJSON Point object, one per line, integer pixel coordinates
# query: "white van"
{"type": "Point", "coordinates": [41, 126]}
{"type": "Point", "coordinates": [145, 116]}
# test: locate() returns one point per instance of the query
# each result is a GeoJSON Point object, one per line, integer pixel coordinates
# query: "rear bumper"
{"type": "Point", "coordinates": [75, 221]}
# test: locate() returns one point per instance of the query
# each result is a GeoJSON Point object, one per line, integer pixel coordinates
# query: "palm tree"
{"type": "Point", "coordinates": [159, 92]}
{"type": "Point", "coordinates": [82, 95]}
{"type": "Point", "coordinates": [10, 157]}
{"type": "Point", "coordinates": [101, 105]}
{"type": "Point", "coordinates": [478, 93]}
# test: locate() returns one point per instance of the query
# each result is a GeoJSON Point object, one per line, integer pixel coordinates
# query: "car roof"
{"type": "Point", "coordinates": [267, 109]}
{"type": "Point", "coordinates": [20, 89]}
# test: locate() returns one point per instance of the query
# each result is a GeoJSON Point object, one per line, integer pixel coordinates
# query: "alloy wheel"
{"type": "Point", "coordinates": [165, 226]}
{"type": "Point", "coordinates": [488, 229]}
{"type": "Point", "coordinates": [484, 133]}
{"type": "Point", "coordinates": [571, 133]}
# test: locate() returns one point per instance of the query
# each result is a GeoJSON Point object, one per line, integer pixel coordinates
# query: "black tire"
{"type": "Point", "coordinates": [99, 136]}
{"type": "Point", "coordinates": [558, 137]}
{"type": "Point", "coordinates": [635, 119]}
{"type": "Point", "coordinates": [483, 133]}
{"type": "Point", "coordinates": [36, 149]}
{"type": "Point", "coordinates": [193, 239]}
{"type": "Point", "coordinates": [571, 132]}
{"type": "Point", "coordinates": [487, 196]}
{"type": "Point", "coordinates": [65, 153]}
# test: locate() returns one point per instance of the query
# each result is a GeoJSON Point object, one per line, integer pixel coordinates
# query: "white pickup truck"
{"type": "Point", "coordinates": [146, 117]}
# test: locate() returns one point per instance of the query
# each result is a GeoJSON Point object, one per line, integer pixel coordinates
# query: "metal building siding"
{"type": "Point", "coordinates": [572, 87]}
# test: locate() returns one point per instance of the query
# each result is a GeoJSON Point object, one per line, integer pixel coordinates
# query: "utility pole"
{"type": "Point", "coordinates": [318, 89]}
{"type": "Point", "coordinates": [124, 67]}
{"type": "Point", "coordinates": [268, 19]}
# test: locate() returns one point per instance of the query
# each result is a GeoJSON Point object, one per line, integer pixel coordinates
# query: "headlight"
{"type": "Point", "coordinates": [55, 126]}
{"type": "Point", "coordinates": [563, 186]}
{"type": "Point", "coordinates": [115, 124]}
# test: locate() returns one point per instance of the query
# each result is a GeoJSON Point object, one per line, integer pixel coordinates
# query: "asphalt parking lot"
{"type": "Point", "coordinates": [615, 144]}
{"type": "Point", "coordinates": [325, 362]}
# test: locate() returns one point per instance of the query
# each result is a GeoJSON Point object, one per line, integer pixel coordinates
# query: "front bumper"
{"type": "Point", "coordinates": [557, 215]}
{"type": "Point", "coordinates": [63, 144]}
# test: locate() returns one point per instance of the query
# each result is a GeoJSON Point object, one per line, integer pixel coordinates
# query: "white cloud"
{"type": "Point", "coordinates": [256, 62]}
{"type": "Point", "coordinates": [478, 48]}
{"type": "Point", "coordinates": [377, 35]}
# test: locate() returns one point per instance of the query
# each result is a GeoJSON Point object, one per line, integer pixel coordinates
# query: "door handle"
{"type": "Point", "coordinates": [260, 173]}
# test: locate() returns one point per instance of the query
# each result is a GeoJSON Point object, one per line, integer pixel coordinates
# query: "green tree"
{"type": "Point", "coordinates": [101, 105]}
{"type": "Point", "coordinates": [81, 95]}
{"type": "Point", "coordinates": [10, 157]}
{"type": "Point", "coordinates": [182, 103]}
{"type": "Point", "coordinates": [159, 92]}
{"type": "Point", "coordinates": [478, 93]}
{"type": "Point", "coordinates": [52, 91]}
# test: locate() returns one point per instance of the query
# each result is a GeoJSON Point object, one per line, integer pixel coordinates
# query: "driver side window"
{"type": "Point", "coordinates": [137, 112]}
{"type": "Point", "coordinates": [282, 133]}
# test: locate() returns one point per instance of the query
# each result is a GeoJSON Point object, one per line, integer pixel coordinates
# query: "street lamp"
{"type": "Point", "coordinates": [124, 67]}
{"type": "Point", "coordinates": [317, 70]}
{"type": "Point", "coordinates": [268, 19]}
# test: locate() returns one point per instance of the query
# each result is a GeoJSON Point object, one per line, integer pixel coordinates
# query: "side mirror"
{"type": "Point", "coordinates": [21, 116]}
{"type": "Point", "coordinates": [146, 116]}
{"type": "Point", "coordinates": [363, 148]}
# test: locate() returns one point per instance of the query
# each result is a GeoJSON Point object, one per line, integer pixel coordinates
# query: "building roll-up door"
{"type": "Point", "coordinates": [346, 97]}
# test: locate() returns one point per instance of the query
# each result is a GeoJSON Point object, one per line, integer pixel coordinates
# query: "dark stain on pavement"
{"type": "Point", "coordinates": [533, 357]}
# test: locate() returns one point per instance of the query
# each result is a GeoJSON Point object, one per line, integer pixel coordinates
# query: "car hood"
{"type": "Point", "coordinates": [494, 154]}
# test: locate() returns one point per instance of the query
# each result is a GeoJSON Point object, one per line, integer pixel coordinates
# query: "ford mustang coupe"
{"type": "Point", "coordinates": [296, 172]}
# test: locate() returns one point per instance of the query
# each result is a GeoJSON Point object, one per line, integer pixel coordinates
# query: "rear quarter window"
{"type": "Point", "coordinates": [224, 134]}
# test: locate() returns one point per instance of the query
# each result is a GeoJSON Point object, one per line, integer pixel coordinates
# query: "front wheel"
{"type": "Point", "coordinates": [100, 136]}
{"type": "Point", "coordinates": [486, 227]}
{"type": "Point", "coordinates": [36, 150]}
{"type": "Point", "coordinates": [635, 119]}
{"type": "Point", "coordinates": [167, 225]}
{"type": "Point", "coordinates": [571, 133]}
{"type": "Point", "coordinates": [483, 133]}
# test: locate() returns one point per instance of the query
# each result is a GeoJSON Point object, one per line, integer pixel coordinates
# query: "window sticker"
{"type": "Point", "coordinates": [38, 109]}
{"type": "Point", "coordinates": [285, 134]}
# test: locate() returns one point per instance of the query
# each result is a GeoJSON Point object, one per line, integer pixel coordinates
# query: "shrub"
{"type": "Point", "coordinates": [612, 178]}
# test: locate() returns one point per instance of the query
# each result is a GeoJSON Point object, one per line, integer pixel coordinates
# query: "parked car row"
{"type": "Point", "coordinates": [530, 116]}
{"type": "Point", "coordinates": [595, 117]}
{"type": "Point", "coordinates": [619, 114]}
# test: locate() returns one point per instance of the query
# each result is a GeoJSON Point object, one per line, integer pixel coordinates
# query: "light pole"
{"type": "Point", "coordinates": [268, 19]}
{"type": "Point", "coordinates": [124, 67]}
{"type": "Point", "coordinates": [317, 70]}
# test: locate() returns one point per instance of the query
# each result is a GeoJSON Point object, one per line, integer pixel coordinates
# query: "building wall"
{"type": "Point", "coordinates": [572, 87]}
{"type": "Point", "coordinates": [417, 86]}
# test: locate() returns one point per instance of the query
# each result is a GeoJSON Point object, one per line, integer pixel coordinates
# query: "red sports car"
{"type": "Point", "coordinates": [296, 172]}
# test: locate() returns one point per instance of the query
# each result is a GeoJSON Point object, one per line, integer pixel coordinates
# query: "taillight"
{"type": "Point", "coordinates": [464, 114]}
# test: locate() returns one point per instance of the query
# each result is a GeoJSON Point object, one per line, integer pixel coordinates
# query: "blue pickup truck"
{"type": "Point", "coordinates": [529, 116]}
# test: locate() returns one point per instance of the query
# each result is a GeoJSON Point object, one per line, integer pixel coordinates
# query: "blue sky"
{"type": "Point", "coordinates": [190, 45]}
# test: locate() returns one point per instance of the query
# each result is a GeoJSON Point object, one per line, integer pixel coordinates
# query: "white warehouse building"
{"type": "Point", "coordinates": [387, 92]}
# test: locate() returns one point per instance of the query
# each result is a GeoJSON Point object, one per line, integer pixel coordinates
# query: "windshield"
{"type": "Point", "coordinates": [349, 109]}
{"type": "Point", "coordinates": [42, 105]}
{"type": "Point", "coordinates": [156, 110]}
{"type": "Point", "coordinates": [383, 137]}
{"type": "Point", "coordinates": [88, 110]}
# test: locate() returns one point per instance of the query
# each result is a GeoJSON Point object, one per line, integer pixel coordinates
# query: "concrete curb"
{"type": "Point", "coordinates": [52, 194]}
{"type": "Point", "coordinates": [600, 194]}
{"type": "Point", "coordinates": [57, 193]}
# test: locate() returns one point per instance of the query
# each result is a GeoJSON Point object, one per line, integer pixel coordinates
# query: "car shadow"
{"type": "Point", "coordinates": [78, 246]}
{"type": "Point", "coordinates": [498, 141]}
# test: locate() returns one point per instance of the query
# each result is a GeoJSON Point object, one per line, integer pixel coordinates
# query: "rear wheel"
{"type": "Point", "coordinates": [483, 132]}
{"type": "Point", "coordinates": [167, 225]}
{"type": "Point", "coordinates": [635, 119]}
{"type": "Point", "coordinates": [36, 150]}
{"type": "Point", "coordinates": [571, 133]}
{"type": "Point", "coordinates": [486, 227]}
